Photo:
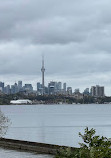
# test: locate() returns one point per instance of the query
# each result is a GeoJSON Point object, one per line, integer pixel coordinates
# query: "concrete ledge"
{"type": "Point", "coordinates": [30, 146]}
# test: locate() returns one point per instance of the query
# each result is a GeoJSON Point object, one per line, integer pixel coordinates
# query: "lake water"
{"type": "Point", "coordinates": [57, 124]}
{"type": "Point", "coordinates": [6, 153]}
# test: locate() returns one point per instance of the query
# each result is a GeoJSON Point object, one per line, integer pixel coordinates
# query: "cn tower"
{"type": "Point", "coordinates": [43, 71]}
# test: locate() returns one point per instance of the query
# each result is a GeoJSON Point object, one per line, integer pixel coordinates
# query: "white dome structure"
{"type": "Point", "coordinates": [21, 101]}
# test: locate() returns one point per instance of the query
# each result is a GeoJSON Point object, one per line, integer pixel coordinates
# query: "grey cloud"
{"type": "Point", "coordinates": [49, 22]}
{"type": "Point", "coordinates": [59, 59]}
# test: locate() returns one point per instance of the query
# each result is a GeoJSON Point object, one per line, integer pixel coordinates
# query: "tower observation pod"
{"type": "Point", "coordinates": [43, 71]}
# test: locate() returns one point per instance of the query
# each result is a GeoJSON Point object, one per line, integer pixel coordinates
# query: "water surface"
{"type": "Point", "coordinates": [57, 124]}
{"type": "Point", "coordinates": [6, 153]}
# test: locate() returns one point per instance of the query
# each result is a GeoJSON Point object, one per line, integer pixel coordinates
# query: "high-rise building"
{"type": "Point", "coordinates": [52, 87]}
{"type": "Point", "coordinates": [14, 88]}
{"type": "Point", "coordinates": [102, 94]}
{"type": "Point", "coordinates": [97, 91]}
{"type": "Point", "coordinates": [19, 86]}
{"type": "Point", "coordinates": [39, 89]}
{"type": "Point", "coordinates": [93, 91]}
{"type": "Point", "coordinates": [86, 91]}
{"type": "Point", "coordinates": [28, 88]}
{"type": "Point", "coordinates": [2, 86]}
{"type": "Point", "coordinates": [64, 88]}
{"type": "Point", "coordinates": [69, 90]}
{"type": "Point", "coordinates": [59, 86]}
{"type": "Point", "coordinates": [38, 86]}
{"type": "Point", "coordinates": [77, 90]}
{"type": "Point", "coordinates": [7, 89]}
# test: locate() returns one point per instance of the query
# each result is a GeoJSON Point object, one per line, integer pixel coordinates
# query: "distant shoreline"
{"type": "Point", "coordinates": [51, 104]}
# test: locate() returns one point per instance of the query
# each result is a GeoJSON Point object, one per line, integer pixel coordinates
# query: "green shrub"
{"type": "Point", "coordinates": [93, 147]}
{"type": "Point", "coordinates": [4, 123]}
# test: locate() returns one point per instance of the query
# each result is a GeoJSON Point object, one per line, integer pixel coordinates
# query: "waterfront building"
{"type": "Point", "coordinates": [64, 88]}
{"type": "Point", "coordinates": [2, 86]}
{"type": "Point", "coordinates": [52, 88]}
{"type": "Point", "coordinates": [0, 89]}
{"type": "Point", "coordinates": [59, 86]}
{"type": "Point", "coordinates": [38, 86]}
{"type": "Point", "coordinates": [14, 88]}
{"type": "Point", "coordinates": [78, 95]}
{"type": "Point", "coordinates": [28, 88]}
{"type": "Point", "coordinates": [86, 92]}
{"type": "Point", "coordinates": [97, 91]}
{"type": "Point", "coordinates": [93, 91]}
{"type": "Point", "coordinates": [46, 90]}
{"type": "Point", "coordinates": [40, 91]}
{"type": "Point", "coordinates": [7, 89]}
{"type": "Point", "coordinates": [69, 90]}
{"type": "Point", "coordinates": [102, 93]}
{"type": "Point", "coordinates": [77, 90]}
{"type": "Point", "coordinates": [21, 101]}
{"type": "Point", "coordinates": [19, 86]}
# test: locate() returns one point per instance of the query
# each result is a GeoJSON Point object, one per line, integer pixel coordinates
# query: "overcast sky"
{"type": "Point", "coordinates": [73, 35]}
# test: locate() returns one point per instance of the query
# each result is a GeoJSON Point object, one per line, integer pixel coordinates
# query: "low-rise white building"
{"type": "Point", "coordinates": [21, 101]}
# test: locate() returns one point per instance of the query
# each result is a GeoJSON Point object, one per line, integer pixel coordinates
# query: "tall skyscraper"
{"type": "Point", "coordinates": [19, 85]}
{"type": "Point", "coordinates": [7, 89]}
{"type": "Point", "coordinates": [64, 88]}
{"type": "Point", "coordinates": [14, 88]}
{"type": "Point", "coordinates": [93, 91]}
{"type": "Point", "coordinates": [38, 86]}
{"type": "Point", "coordinates": [86, 91]}
{"type": "Point", "coordinates": [97, 91]}
{"type": "Point", "coordinates": [28, 88]}
{"type": "Point", "coordinates": [52, 87]}
{"type": "Point", "coordinates": [59, 86]}
{"type": "Point", "coordinates": [2, 86]}
{"type": "Point", "coordinates": [43, 71]}
{"type": "Point", "coordinates": [69, 90]}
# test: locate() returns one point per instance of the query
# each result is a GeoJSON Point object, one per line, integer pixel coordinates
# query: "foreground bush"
{"type": "Point", "coordinates": [4, 123]}
{"type": "Point", "coordinates": [93, 147]}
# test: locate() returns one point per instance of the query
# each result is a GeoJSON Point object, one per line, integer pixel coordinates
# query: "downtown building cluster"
{"type": "Point", "coordinates": [15, 88]}
{"type": "Point", "coordinates": [53, 88]}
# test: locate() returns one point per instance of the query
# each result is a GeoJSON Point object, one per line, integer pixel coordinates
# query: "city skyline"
{"type": "Point", "coordinates": [74, 37]}
{"type": "Point", "coordinates": [53, 88]}
{"type": "Point", "coordinates": [58, 87]}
